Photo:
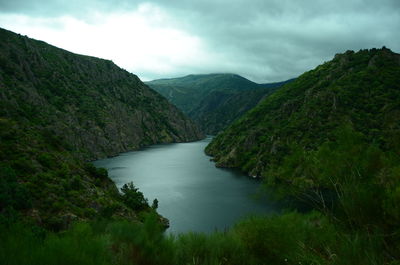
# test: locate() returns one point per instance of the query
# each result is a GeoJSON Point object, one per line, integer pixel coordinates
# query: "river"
{"type": "Point", "coordinates": [192, 193]}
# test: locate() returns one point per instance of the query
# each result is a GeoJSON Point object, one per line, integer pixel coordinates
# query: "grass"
{"type": "Point", "coordinates": [291, 238]}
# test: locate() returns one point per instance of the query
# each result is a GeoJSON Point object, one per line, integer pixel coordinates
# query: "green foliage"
{"type": "Point", "coordinates": [22, 244]}
{"type": "Point", "coordinates": [330, 138]}
{"type": "Point", "coordinates": [12, 194]}
{"type": "Point", "coordinates": [291, 238]}
{"type": "Point", "coordinates": [359, 175]}
{"type": "Point", "coordinates": [271, 240]}
{"type": "Point", "coordinates": [335, 130]}
{"type": "Point", "coordinates": [142, 243]}
{"type": "Point", "coordinates": [95, 172]}
{"type": "Point", "coordinates": [133, 198]}
{"type": "Point", "coordinates": [47, 160]}
{"type": "Point", "coordinates": [306, 111]}
{"type": "Point", "coordinates": [215, 100]}
{"type": "Point", "coordinates": [154, 205]}
{"type": "Point", "coordinates": [46, 183]}
{"type": "Point", "coordinates": [58, 109]}
{"type": "Point", "coordinates": [216, 248]}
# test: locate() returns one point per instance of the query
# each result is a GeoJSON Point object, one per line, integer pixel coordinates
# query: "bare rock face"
{"type": "Point", "coordinates": [93, 105]}
{"type": "Point", "coordinates": [58, 110]}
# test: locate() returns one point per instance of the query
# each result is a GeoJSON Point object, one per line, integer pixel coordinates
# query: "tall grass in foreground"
{"type": "Point", "coordinates": [22, 244]}
{"type": "Point", "coordinates": [291, 238]}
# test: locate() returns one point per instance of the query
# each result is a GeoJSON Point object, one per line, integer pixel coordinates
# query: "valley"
{"type": "Point", "coordinates": [85, 145]}
{"type": "Point", "coordinates": [213, 101]}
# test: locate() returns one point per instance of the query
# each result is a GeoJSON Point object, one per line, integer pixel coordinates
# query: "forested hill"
{"type": "Point", "coordinates": [58, 109]}
{"type": "Point", "coordinates": [331, 139]}
{"type": "Point", "coordinates": [90, 103]}
{"type": "Point", "coordinates": [359, 89]}
{"type": "Point", "coordinates": [213, 100]}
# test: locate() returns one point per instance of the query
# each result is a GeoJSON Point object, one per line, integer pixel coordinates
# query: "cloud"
{"type": "Point", "coordinates": [262, 40]}
{"type": "Point", "coordinates": [130, 39]}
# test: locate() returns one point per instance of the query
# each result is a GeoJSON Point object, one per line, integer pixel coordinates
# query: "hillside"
{"type": "Point", "coordinates": [94, 105]}
{"type": "Point", "coordinates": [361, 89]}
{"type": "Point", "coordinates": [58, 110]}
{"type": "Point", "coordinates": [331, 139]}
{"type": "Point", "coordinates": [214, 100]}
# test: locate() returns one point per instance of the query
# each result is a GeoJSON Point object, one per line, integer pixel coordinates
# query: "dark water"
{"type": "Point", "coordinates": [192, 193]}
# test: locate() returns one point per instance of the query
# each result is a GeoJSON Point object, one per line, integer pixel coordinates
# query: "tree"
{"type": "Point", "coordinates": [133, 198]}
{"type": "Point", "coordinates": [155, 204]}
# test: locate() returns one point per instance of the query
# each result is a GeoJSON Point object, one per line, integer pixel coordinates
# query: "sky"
{"type": "Point", "coordinates": [262, 40]}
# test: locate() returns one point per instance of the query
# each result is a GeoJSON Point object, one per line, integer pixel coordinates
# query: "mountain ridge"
{"type": "Point", "coordinates": [58, 110]}
{"type": "Point", "coordinates": [126, 91]}
{"type": "Point", "coordinates": [264, 133]}
{"type": "Point", "coordinates": [213, 100]}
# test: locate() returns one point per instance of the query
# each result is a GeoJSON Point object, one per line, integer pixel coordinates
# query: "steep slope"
{"type": "Point", "coordinates": [332, 140]}
{"type": "Point", "coordinates": [361, 89]}
{"type": "Point", "coordinates": [58, 109]}
{"type": "Point", "coordinates": [184, 91]}
{"type": "Point", "coordinates": [215, 100]}
{"type": "Point", "coordinates": [95, 106]}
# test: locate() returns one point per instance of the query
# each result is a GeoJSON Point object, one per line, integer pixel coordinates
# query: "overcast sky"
{"type": "Point", "coordinates": [263, 40]}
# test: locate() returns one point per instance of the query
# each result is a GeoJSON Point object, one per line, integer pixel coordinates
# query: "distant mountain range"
{"type": "Point", "coordinates": [213, 100]}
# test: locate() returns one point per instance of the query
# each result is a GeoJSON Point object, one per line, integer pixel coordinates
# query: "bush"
{"type": "Point", "coordinates": [272, 240]}
{"type": "Point", "coordinates": [291, 238]}
{"type": "Point", "coordinates": [142, 243]}
{"type": "Point", "coordinates": [22, 244]}
{"type": "Point", "coordinates": [98, 173]}
{"type": "Point", "coordinates": [12, 194]}
{"type": "Point", "coordinates": [133, 198]}
{"type": "Point", "coordinates": [47, 160]}
{"type": "Point", "coordinates": [217, 248]}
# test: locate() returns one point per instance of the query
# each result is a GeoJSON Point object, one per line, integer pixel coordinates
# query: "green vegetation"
{"type": "Point", "coordinates": [133, 198]}
{"type": "Point", "coordinates": [58, 110]}
{"type": "Point", "coordinates": [361, 89]}
{"type": "Point", "coordinates": [50, 186]}
{"type": "Point", "coordinates": [291, 238]}
{"type": "Point", "coordinates": [88, 105]}
{"type": "Point", "coordinates": [331, 139]}
{"type": "Point", "coordinates": [214, 100]}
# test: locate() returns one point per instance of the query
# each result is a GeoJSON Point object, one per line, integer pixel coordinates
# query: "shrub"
{"type": "Point", "coordinates": [133, 198]}
{"type": "Point", "coordinates": [12, 194]}
{"type": "Point", "coordinates": [142, 243]}
{"type": "Point", "coordinates": [47, 160]}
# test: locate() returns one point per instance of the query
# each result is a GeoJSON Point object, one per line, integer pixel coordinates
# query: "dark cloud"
{"type": "Point", "coordinates": [264, 40]}
{"type": "Point", "coordinates": [293, 36]}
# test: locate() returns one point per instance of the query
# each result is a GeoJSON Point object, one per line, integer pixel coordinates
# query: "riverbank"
{"type": "Point", "coordinates": [192, 193]}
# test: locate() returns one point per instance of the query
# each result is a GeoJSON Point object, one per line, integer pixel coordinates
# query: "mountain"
{"type": "Point", "coordinates": [213, 100]}
{"type": "Point", "coordinates": [58, 110]}
{"type": "Point", "coordinates": [94, 105]}
{"type": "Point", "coordinates": [330, 139]}
{"type": "Point", "coordinates": [361, 89]}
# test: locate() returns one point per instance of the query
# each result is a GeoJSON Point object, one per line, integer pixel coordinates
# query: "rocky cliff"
{"type": "Point", "coordinates": [92, 104]}
{"type": "Point", "coordinates": [58, 110]}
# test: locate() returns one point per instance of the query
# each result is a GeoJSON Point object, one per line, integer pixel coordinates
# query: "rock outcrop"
{"type": "Point", "coordinates": [58, 110]}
